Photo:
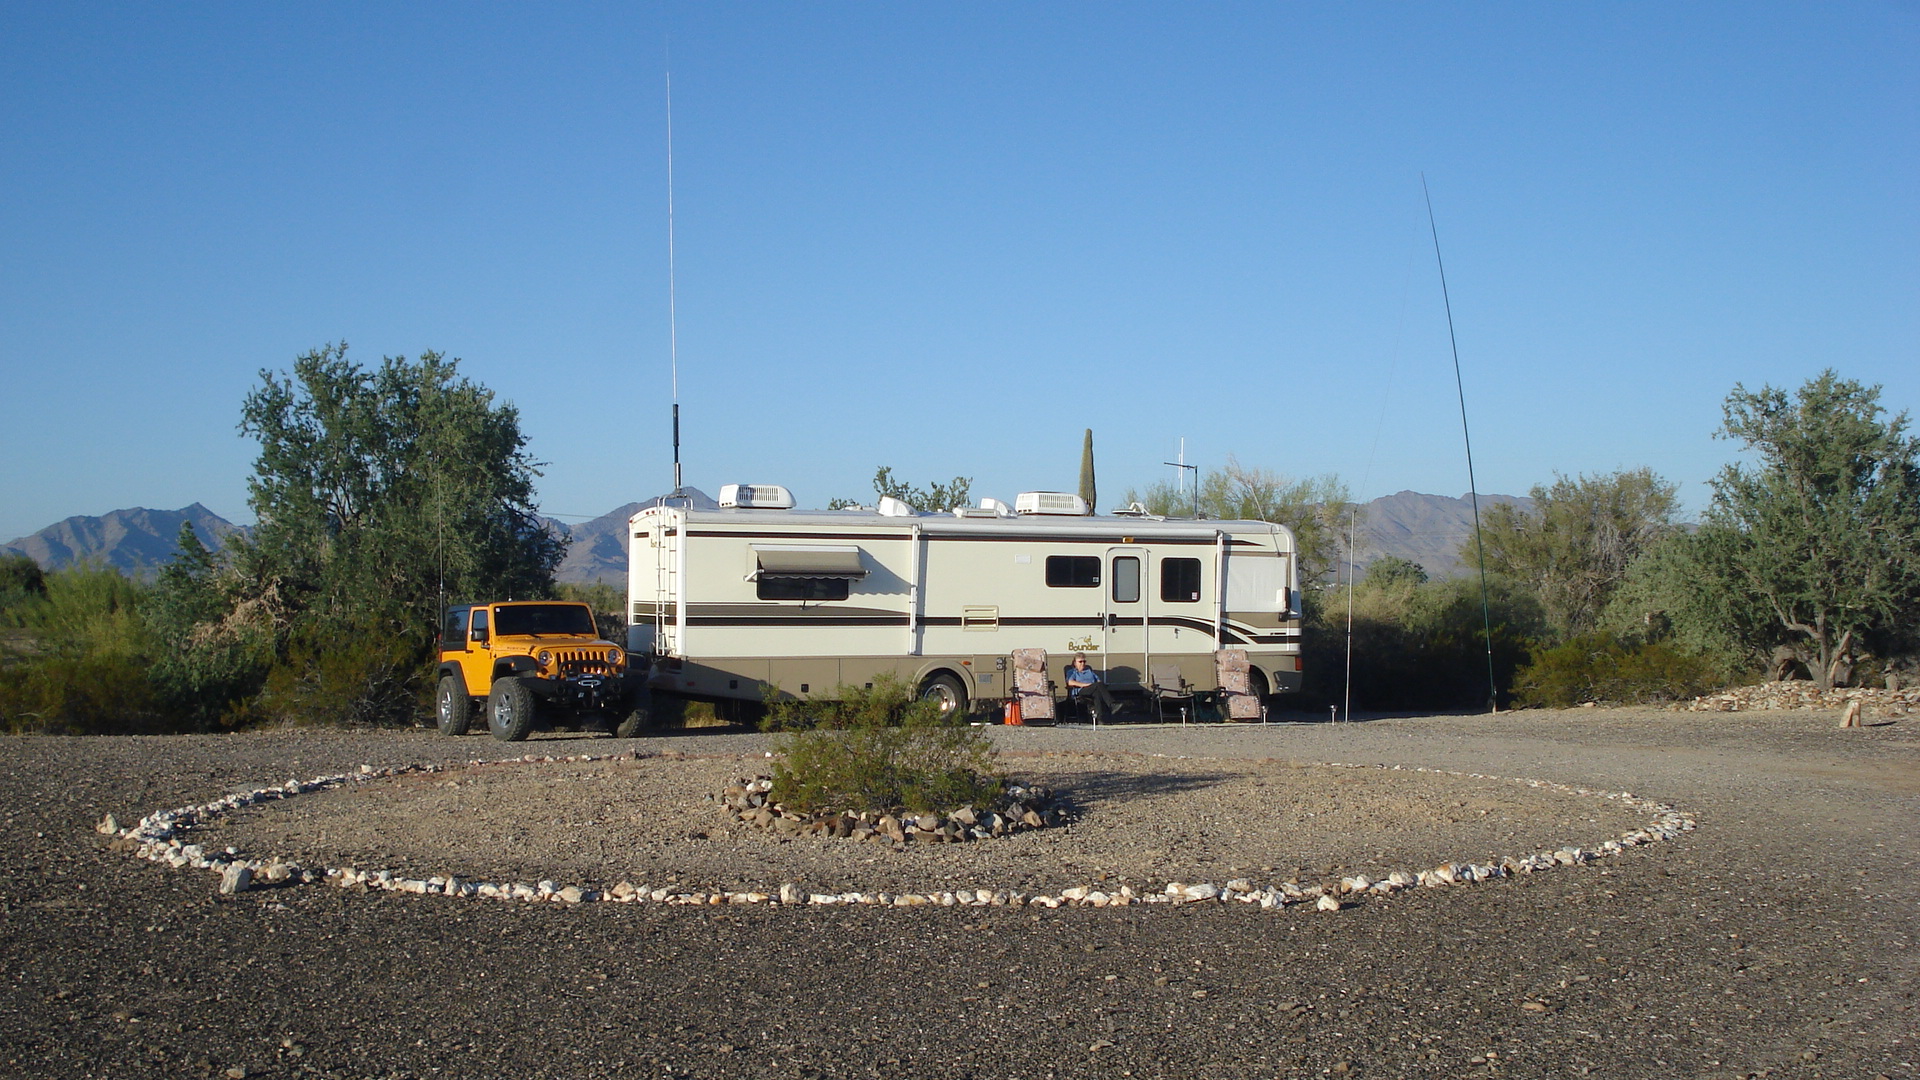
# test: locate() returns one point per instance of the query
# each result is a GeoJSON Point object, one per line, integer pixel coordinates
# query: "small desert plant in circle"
{"type": "Point", "coordinates": [878, 748]}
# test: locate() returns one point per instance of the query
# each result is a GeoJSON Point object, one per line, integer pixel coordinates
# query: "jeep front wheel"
{"type": "Point", "coordinates": [510, 710]}
{"type": "Point", "coordinates": [635, 717]}
{"type": "Point", "coordinates": [453, 708]}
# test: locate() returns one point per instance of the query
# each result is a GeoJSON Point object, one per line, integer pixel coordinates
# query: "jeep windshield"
{"type": "Point", "coordinates": [532, 620]}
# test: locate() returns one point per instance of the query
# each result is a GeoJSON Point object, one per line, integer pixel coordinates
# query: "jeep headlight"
{"type": "Point", "coordinates": [544, 657]}
{"type": "Point", "coordinates": [613, 656]}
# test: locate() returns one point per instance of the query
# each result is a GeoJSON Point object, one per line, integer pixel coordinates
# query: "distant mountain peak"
{"type": "Point", "coordinates": [1427, 529]}
{"type": "Point", "coordinates": [135, 541]}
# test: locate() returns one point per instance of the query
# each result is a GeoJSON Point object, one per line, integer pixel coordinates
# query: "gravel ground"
{"type": "Point", "coordinates": [1777, 939]}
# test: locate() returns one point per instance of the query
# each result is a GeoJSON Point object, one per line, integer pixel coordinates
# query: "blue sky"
{"type": "Point", "coordinates": [949, 237]}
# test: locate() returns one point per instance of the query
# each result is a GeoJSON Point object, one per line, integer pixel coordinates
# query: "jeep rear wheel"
{"type": "Point", "coordinates": [453, 709]}
{"type": "Point", "coordinates": [510, 710]}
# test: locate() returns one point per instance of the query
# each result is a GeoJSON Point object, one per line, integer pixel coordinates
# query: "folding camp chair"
{"type": "Point", "coordinates": [1169, 689]}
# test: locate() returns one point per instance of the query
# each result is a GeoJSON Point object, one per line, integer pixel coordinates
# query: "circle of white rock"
{"type": "Point", "coordinates": [163, 837]}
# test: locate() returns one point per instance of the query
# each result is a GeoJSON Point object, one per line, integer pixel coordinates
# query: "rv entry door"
{"type": "Point", "coordinates": [1124, 620]}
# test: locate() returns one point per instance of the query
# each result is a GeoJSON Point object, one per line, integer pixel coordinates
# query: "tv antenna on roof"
{"type": "Point", "coordinates": [673, 326]}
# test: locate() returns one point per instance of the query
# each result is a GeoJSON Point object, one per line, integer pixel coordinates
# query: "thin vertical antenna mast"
{"type": "Point", "coordinates": [1473, 489]}
{"type": "Point", "coordinates": [673, 325]}
{"type": "Point", "coordinates": [1353, 527]}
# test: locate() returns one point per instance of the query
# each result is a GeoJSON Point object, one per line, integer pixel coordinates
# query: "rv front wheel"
{"type": "Point", "coordinates": [945, 690]}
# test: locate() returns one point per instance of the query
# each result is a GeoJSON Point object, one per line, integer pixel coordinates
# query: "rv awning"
{"type": "Point", "coordinates": [807, 561]}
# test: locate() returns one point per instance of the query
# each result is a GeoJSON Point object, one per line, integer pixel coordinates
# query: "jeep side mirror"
{"type": "Point", "coordinates": [479, 635]}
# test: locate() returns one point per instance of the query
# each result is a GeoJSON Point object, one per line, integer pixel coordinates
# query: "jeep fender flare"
{"type": "Point", "coordinates": [515, 665]}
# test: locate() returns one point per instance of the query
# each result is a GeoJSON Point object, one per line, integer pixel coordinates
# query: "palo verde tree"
{"type": "Point", "coordinates": [1573, 547]}
{"type": "Point", "coordinates": [1820, 536]}
{"type": "Point", "coordinates": [934, 498]}
{"type": "Point", "coordinates": [1315, 508]}
{"type": "Point", "coordinates": [378, 492]}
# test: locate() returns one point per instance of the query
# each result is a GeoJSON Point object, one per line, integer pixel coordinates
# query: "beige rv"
{"type": "Point", "coordinates": [755, 594]}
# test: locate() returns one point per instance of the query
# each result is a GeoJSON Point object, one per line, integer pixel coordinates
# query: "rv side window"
{"type": "Point", "coordinates": [1179, 580]}
{"type": "Point", "coordinates": [798, 588]}
{"type": "Point", "coordinates": [1126, 579]}
{"type": "Point", "coordinates": [1073, 571]}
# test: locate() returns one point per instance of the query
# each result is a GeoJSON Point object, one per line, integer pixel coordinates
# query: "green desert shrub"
{"type": "Point", "coordinates": [1419, 644]}
{"type": "Point", "coordinates": [886, 702]}
{"type": "Point", "coordinates": [877, 748]}
{"type": "Point", "coordinates": [80, 663]}
{"type": "Point", "coordinates": [1606, 667]}
{"type": "Point", "coordinates": [369, 677]}
{"type": "Point", "coordinates": [21, 583]}
{"type": "Point", "coordinates": [89, 694]}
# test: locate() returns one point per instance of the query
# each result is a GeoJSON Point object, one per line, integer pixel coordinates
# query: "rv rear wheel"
{"type": "Point", "coordinates": [1257, 686]}
{"type": "Point", "coordinates": [945, 690]}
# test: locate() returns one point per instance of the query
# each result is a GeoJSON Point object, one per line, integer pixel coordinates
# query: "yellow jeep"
{"type": "Point", "coordinates": [532, 658]}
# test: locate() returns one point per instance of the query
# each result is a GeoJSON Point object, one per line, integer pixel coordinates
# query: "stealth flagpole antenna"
{"type": "Point", "coordinates": [1182, 474]}
{"type": "Point", "coordinates": [673, 327]}
{"type": "Point", "coordinates": [1473, 489]}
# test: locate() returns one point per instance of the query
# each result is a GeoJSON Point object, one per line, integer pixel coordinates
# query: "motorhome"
{"type": "Point", "coordinates": [755, 595]}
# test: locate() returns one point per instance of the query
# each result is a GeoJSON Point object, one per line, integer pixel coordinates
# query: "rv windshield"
{"type": "Point", "coordinates": [534, 619]}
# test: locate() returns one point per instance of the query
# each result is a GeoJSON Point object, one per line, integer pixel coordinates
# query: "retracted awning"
{"type": "Point", "coordinates": [807, 561]}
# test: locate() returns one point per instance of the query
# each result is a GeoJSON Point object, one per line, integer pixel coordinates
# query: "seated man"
{"type": "Point", "coordinates": [1083, 684]}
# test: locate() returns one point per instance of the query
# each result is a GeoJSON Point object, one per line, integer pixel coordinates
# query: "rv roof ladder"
{"type": "Point", "coordinates": [666, 581]}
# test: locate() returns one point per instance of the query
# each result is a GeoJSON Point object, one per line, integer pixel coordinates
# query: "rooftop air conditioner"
{"type": "Point", "coordinates": [755, 497]}
{"type": "Point", "coordinates": [1050, 502]}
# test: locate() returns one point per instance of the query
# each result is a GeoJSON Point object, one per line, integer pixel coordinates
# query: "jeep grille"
{"type": "Point", "coordinates": [583, 662]}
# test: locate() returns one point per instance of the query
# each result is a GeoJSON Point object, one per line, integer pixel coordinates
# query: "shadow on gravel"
{"type": "Point", "coordinates": [1087, 789]}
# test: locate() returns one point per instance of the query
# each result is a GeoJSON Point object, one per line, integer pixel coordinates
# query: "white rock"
{"type": "Point", "coordinates": [236, 878]}
{"type": "Point", "coordinates": [1327, 903]}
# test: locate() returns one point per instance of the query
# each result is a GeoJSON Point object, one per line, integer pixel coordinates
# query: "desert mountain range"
{"type": "Point", "coordinates": [1427, 529]}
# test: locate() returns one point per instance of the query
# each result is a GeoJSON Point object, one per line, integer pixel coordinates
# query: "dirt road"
{"type": "Point", "coordinates": [1779, 938]}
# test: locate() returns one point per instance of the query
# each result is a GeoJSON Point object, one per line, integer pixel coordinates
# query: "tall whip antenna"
{"type": "Point", "coordinates": [673, 325]}
{"type": "Point", "coordinates": [1473, 489]}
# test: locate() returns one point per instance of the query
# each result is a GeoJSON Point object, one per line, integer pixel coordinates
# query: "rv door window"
{"type": "Point", "coordinates": [1073, 571]}
{"type": "Point", "coordinates": [1179, 581]}
{"type": "Point", "coordinates": [1126, 579]}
